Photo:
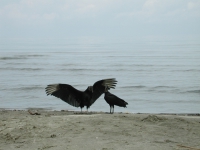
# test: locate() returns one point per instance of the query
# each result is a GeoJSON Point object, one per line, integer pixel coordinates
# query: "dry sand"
{"type": "Point", "coordinates": [97, 131]}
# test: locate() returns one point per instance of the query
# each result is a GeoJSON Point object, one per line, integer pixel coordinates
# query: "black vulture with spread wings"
{"type": "Point", "coordinates": [112, 100]}
{"type": "Point", "coordinates": [78, 98]}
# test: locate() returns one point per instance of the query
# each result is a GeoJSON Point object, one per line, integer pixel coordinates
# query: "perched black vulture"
{"type": "Point", "coordinates": [78, 98]}
{"type": "Point", "coordinates": [112, 100]}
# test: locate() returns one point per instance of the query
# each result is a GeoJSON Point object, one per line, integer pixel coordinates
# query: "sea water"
{"type": "Point", "coordinates": [155, 75]}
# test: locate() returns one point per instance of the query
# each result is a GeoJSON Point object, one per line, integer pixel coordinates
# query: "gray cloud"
{"type": "Point", "coordinates": [48, 18]}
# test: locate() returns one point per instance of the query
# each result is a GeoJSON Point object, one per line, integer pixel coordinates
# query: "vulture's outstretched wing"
{"type": "Point", "coordinates": [100, 87]}
{"type": "Point", "coordinates": [65, 92]}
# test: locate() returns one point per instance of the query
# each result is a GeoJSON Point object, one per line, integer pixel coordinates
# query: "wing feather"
{"type": "Point", "coordinates": [65, 92]}
{"type": "Point", "coordinates": [100, 87]}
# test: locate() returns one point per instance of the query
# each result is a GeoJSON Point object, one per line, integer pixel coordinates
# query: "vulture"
{"type": "Point", "coordinates": [112, 100]}
{"type": "Point", "coordinates": [78, 98]}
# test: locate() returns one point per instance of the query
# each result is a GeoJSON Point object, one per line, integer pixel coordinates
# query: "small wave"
{"type": "Point", "coordinates": [24, 69]}
{"type": "Point", "coordinates": [13, 58]}
{"type": "Point", "coordinates": [192, 70]}
{"type": "Point", "coordinates": [14, 63]}
{"type": "Point", "coordinates": [137, 87]}
{"type": "Point", "coordinates": [69, 64]}
{"type": "Point", "coordinates": [157, 89]}
{"type": "Point", "coordinates": [76, 69]}
{"type": "Point", "coordinates": [188, 70]}
{"type": "Point", "coordinates": [34, 55]}
{"type": "Point", "coordinates": [30, 69]}
{"type": "Point", "coordinates": [29, 88]}
{"type": "Point", "coordinates": [120, 69]}
{"type": "Point", "coordinates": [193, 91]}
{"type": "Point", "coordinates": [19, 57]}
{"type": "Point", "coordinates": [165, 91]}
{"type": "Point", "coordinates": [131, 65]}
{"type": "Point", "coordinates": [162, 86]}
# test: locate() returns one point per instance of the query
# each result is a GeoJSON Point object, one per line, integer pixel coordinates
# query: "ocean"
{"type": "Point", "coordinates": [155, 75]}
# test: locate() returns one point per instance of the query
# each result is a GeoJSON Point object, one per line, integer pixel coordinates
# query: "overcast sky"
{"type": "Point", "coordinates": [117, 18]}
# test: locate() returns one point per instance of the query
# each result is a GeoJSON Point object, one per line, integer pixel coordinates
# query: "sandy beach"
{"type": "Point", "coordinates": [48, 130]}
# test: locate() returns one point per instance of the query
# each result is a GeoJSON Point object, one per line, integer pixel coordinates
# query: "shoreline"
{"type": "Point", "coordinates": [95, 112]}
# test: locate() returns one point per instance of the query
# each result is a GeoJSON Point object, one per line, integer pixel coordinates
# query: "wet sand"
{"type": "Point", "coordinates": [49, 130]}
